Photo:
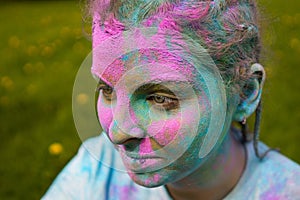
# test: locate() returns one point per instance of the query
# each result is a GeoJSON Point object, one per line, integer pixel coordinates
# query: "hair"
{"type": "Point", "coordinates": [228, 29]}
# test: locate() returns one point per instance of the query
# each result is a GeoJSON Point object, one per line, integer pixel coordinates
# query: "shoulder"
{"type": "Point", "coordinates": [275, 177]}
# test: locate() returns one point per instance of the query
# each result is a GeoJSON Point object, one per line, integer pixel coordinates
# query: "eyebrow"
{"type": "Point", "coordinates": [101, 81]}
{"type": "Point", "coordinates": [157, 87]}
{"type": "Point", "coordinates": [152, 83]}
{"type": "Point", "coordinates": [161, 87]}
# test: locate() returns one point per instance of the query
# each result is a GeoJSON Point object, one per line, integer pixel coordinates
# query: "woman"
{"type": "Point", "coordinates": [173, 77]}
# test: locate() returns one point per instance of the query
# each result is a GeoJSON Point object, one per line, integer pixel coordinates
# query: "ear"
{"type": "Point", "coordinates": [251, 93]}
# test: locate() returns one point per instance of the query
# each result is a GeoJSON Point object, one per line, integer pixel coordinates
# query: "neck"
{"type": "Point", "coordinates": [217, 177]}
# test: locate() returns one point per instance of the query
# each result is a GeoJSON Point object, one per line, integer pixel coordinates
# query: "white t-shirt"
{"type": "Point", "coordinates": [97, 172]}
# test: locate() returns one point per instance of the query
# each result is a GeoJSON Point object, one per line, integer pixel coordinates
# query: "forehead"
{"type": "Point", "coordinates": [107, 48]}
{"type": "Point", "coordinates": [147, 65]}
{"type": "Point", "coordinates": [115, 55]}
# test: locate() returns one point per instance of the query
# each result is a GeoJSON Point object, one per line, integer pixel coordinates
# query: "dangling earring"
{"type": "Point", "coordinates": [244, 130]}
{"type": "Point", "coordinates": [244, 121]}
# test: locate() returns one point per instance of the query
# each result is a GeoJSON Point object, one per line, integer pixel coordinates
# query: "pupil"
{"type": "Point", "coordinates": [159, 99]}
{"type": "Point", "coordinates": [108, 90]}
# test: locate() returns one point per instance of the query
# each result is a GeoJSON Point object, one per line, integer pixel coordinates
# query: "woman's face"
{"type": "Point", "coordinates": [161, 113]}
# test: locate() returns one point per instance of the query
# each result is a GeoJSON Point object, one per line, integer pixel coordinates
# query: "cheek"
{"type": "Point", "coordinates": [180, 128]}
{"type": "Point", "coordinates": [104, 114]}
{"type": "Point", "coordinates": [163, 132]}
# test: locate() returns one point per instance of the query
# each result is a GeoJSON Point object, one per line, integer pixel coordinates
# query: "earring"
{"type": "Point", "coordinates": [244, 121]}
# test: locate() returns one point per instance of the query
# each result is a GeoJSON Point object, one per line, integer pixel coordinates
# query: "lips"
{"type": "Point", "coordinates": [134, 155]}
{"type": "Point", "coordinates": [141, 163]}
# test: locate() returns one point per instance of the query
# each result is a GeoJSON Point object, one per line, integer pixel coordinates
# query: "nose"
{"type": "Point", "coordinates": [124, 125]}
{"type": "Point", "coordinates": [120, 135]}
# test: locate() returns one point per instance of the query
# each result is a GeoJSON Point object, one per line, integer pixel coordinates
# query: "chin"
{"type": "Point", "coordinates": [149, 179]}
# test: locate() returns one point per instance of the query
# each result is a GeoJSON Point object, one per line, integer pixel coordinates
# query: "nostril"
{"type": "Point", "coordinates": [132, 145]}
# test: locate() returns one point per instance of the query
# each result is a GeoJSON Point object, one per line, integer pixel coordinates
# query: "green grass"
{"type": "Point", "coordinates": [280, 126]}
{"type": "Point", "coordinates": [41, 50]}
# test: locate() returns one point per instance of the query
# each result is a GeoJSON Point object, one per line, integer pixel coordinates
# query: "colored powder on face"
{"type": "Point", "coordinates": [145, 146]}
{"type": "Point", "coordinates": [129, 61]}
{"type": "Point", "coordinates": [105, 119]}
{"type": "Point", "coordinates": [143, 65]}
{"type": "Point", "coordinates": [153, 179]}
{"type": "Point", "coordinates": [166, 133]}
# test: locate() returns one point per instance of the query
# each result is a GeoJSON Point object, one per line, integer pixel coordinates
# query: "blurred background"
{"type": "Point", "coordinates": [42, 46]}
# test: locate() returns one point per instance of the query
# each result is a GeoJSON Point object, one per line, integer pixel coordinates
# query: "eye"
{"type": "Point", "coordinates": [163, 102]}
{"type": "Point", "coordinates": [106, 91]}
{"type": "Point", "coordinates": [159, 99]}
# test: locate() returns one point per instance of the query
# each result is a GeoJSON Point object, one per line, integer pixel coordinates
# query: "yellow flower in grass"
{"type": "Point", "coordinates": [55, 148]}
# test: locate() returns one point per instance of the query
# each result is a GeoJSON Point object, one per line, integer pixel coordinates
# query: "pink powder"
{"type": "Point", "coordinates": [165, 134]}
{"type": "Point", "coordinates": [153, 179]}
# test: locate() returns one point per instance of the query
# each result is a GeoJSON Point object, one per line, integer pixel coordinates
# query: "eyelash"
{"type": "Point", "coordinates": [164, 103]}
{"type": "Point", "coordinates": [106, 91]}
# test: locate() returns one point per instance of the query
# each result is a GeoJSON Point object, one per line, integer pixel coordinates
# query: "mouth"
{"type": "Point", "coordinates": [134, 155]}
{"type": "Point", "coordinates": [141, 163]}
